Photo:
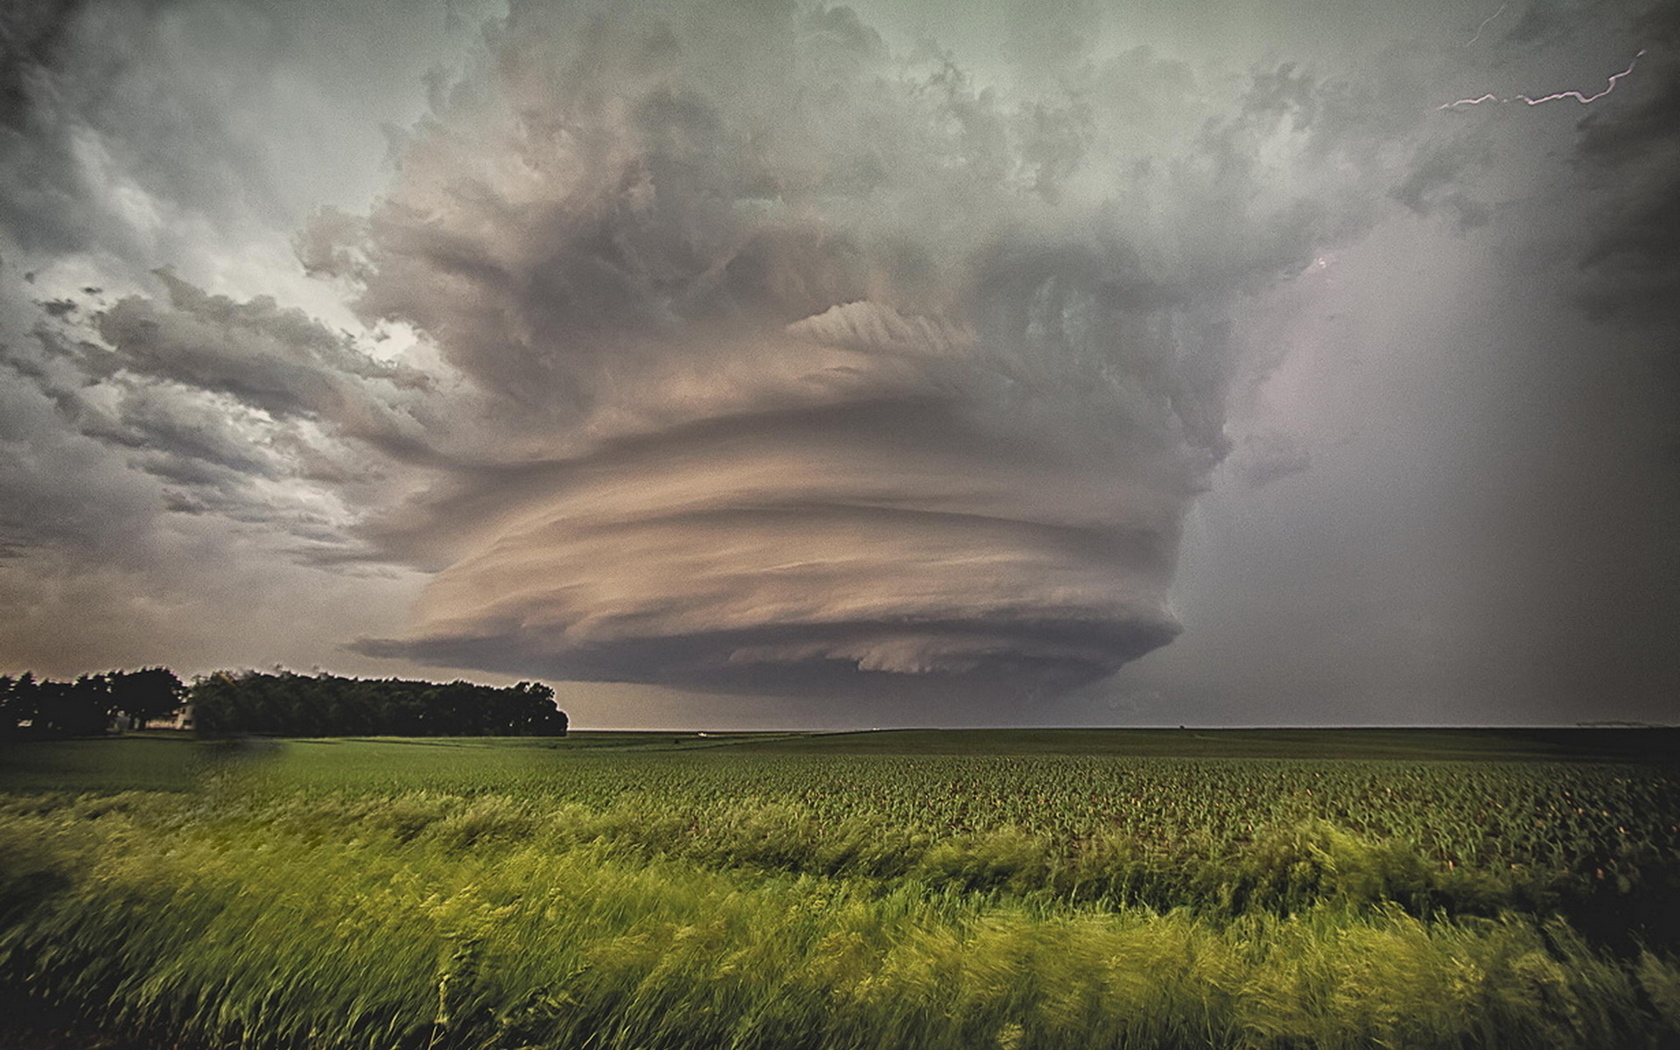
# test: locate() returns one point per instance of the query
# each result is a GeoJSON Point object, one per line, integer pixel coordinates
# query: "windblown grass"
{"type": "Point", "coordinates": [280, 906]}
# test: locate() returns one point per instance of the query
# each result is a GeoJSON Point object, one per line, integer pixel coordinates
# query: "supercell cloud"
{"type": "Point", "coordinates": [811, 361]}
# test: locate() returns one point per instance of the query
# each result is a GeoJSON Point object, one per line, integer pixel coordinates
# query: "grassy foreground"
{"type": "Point", "coordinates": [665, 891]}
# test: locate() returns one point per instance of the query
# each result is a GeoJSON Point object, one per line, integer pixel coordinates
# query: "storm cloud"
{"type": "Point", "coordinates": [815, 361]}
{"type": "Point", "coordinates": [753, 346]}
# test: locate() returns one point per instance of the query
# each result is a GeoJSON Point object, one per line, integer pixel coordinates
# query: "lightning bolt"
{"type": "Point", "coordinates": [1531, 100]}
{"type": "Point", "coordinates": [1485, 22]}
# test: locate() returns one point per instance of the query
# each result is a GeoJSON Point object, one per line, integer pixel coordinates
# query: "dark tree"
{"type": "Point", "coordinates": [288, 704]}
{"type": "Point", "coordinates": [19, 703]}
{"type": "Point", "coordinates": [151, 692]}
{"type": "Point", "coordinates": [79, 708]}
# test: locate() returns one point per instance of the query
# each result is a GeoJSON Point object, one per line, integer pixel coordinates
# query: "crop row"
{"type": "Point", "coordinates": [379, 922]}
{"type": "Point", "coordinates": [1594, 820]}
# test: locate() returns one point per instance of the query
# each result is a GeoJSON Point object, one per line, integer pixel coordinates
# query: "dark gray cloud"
{"type": "Point", "coordinates": [1436, 184]}
{"type": "Point", "coordinates": [747, 345]}
{"type": "Point", "coordinates": [1263, 458]}
{"type": "Point", "coordinates": [824, 362]}
{"type": "Point", "coordinates": [201, 404]}
{"type": "Point", "coordinates": [32, 38]}
{"type": "Point", "coordinates": [1631, 153]}
{"type": "Point", "coordinates": [277, 361]}
{"type": "Point", "coordinates": [85, 76]}
{"type": "Point", "coordinates": [60, 484]}
{"type": "Point", "coordinates": [1540, 21]}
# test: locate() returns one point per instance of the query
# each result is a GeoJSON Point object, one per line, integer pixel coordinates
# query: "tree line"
{"type": "Point", "coordinates": [89, 705]}
{"type": "Point", "coordinates": [281, 703]}
{"type": "Point", "coordinates": [288, 704]}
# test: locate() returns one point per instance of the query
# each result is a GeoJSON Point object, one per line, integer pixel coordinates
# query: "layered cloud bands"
{"type": "Point", "coordinates": [901, 509]}
{"type": "Point", "coordinates": [809, 362]}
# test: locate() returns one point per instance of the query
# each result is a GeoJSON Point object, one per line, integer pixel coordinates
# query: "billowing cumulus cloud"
{"type": "Point", "coordinates": [814, 360]}
{"type": "Point", "coordinates": [201, 404]}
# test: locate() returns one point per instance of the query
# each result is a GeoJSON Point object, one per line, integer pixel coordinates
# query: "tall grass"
{"type": "Point", "coordinates": [435, 920]}
{"type": "Point", "coordinates": [1267, 855]}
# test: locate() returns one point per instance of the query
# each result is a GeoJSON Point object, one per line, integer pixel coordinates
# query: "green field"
{"type": "Point", "coordinates": [1354, 888]}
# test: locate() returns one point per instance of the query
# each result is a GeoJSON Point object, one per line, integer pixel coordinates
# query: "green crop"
{"type": "Point", "coordinates": [390, 894]}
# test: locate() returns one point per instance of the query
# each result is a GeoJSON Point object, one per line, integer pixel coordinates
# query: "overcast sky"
{"type": "Point", "coordinates": [746, 364]}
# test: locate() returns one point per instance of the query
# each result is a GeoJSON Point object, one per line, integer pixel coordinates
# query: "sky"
{"type": "Point", "coordinates": [753, 364]}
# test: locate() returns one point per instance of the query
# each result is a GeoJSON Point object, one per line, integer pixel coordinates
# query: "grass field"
{"type": "Point", "coordinates": [918, 889]}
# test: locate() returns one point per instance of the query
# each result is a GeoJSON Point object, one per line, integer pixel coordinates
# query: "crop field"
{"type": "Point", "coordinates": [1009, 890]}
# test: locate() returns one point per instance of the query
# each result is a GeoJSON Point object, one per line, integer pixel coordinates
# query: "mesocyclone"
{"type": "Point", "coordinates": [795, 361]}
{"type": "Point", "coordinates": [866, 494]}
